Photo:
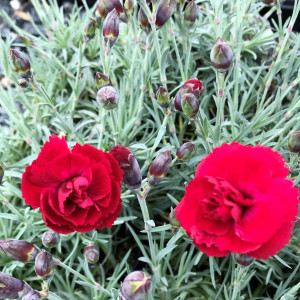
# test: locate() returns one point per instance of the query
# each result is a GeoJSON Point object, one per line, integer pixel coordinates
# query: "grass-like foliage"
{"type": "Point", "coordinates": [260, 105]}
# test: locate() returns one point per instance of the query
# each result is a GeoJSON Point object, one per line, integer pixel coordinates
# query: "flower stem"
{"type": "Point", "coordinates": [114, 121]}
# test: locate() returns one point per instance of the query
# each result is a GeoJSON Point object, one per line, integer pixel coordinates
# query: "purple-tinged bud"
{"type": "Point", "coordinates": [163, 97]}
{"type": "Point", "coordinates": [50, 238]}
{"type": "Point", "coordinates": [221, 55]}
{"type": "Point", "coordinates": [101, 80]}
{"type": "Point", "coordinates": [19, 249]}
{"type": "Point", "coordinates": [164, 11]}
{"type": "Point", "coordinates": [190, 105]}
{"type": "Point", "coordinates": [44, 265]}
{"type": "Point", "coordinates": [268, 1]}
{"type": "Point", "coordinates": [91, 254]}
{"type": "Point", "coordinates": [136, 286]}
{"type": "Point", "coordinates": [111, 28]}
{"type": "Point", "coordinates": [108, 97]}
{"type": "Point", "coordinates": [11, 287]}
{"type": "Point", "coordinates": [243, 259]}
{"type": "Point", "coordinates": [106, 6]}
{"type": "Point", "coordinates": [129, 6]}
{"type": "Point", "coordinates": [128, 163]}
{"type": "Point", "coordinates": [23, 82]}
{"type": "Point", "coordinates": [1, 171]}
{"type": "Point", "coordinates": [191, 12]}
{"type": "Point", "coordinates": [143, 19]}
{"type": "Point", "coordinates": [294, 142]}
{"type": "Point", "coordinates": [90, 29]}
{"type": "Point", "coordinates": [159, 167]}
{"type": "Point", "coordinates": [186, 151]}
{"type": "Point", "coordinates": [20, 63]}
{"type": "Point", "coordinates": [32, 295]}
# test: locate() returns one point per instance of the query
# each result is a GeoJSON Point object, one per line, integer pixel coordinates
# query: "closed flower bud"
{"type": "Point", "coordinates": [91, 254]}
{"type": "Point", "coordinates": [23, 82]}
{"type": "Point", "coordinates": [44, 265]}
{"type": "Point", "coordinates": [101, 80]}
{"type": "Point", "coordinates": [50, 238]}
{"type": "Point", "coordinates": [191, 12]}
{"type": "Point", "coordinates": [190, 105]}
{"type": "Point", "coordinates": [11, 287]}
{"type": "Point", "coordinates": [129, 165]}
{"type": "Point", "coordinates": [136, 286]}
{"type": "Point", "coordinates": [90, 29]}
{"type": "Point", "coordinates": [243, 259]}
{"type": "Point", "coordinates": [159, 167]}
{"type": "Point", "coordinates": [268, 2]}
{"type": "Point", "coordinates": [173, 221]}
{"type": "Point", "coordinates": [106, 6]}
{"type": "Point", "coordinates": [108, 97]}
{"type": "Point", "coordinates": [111, 28]}
{"type": "Point", "coordinates": [294, 142]}
{"type": "Point", "coordinates": [20, 63]}
{"type": "Point", "coordinates": [143, 19]}
{"type": "Point", "coordinates": [221, 55]}
{"type": "Point", "coordinates": [19, 249]}
{"type": "Point", "coordinates": [32, 295]}
{"type": "Point", "coordinates": [129, 6]}
{"type": "Point", "coordinates": [26, 40]}
{"type": "Point", "coordinates": [163, 97]}
{"type": "Point", "coordinates": [164, 11]}
{"type": "Point", "coordinates": [186, 151]}
{"type": "Point", "coordinates": [1, 171]}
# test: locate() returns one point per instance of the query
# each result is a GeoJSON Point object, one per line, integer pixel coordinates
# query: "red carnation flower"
{"type": "Point", "coordinates": [76, 190]}
{"type": "Point", "coordinates": [240, 201]}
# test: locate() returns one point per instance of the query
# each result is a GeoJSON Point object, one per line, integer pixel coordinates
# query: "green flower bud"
{"type": "Point", "coordinates": [243, 259]}
{"type": "Point", "coordinates": [11, 287]}
{"type": "Point", "coordinates": [20, 63]}
{"type": "Point", "coordinates": [159, 167]}
{"type": "Point", "coordinates": [190, 105]}
{"type": "Point", "coordinates": [186, 151]}
{"type": "Point", "coordinates": [173, 221]}
{"type": "Point", "coordinates": [32, 295]}
{"type": "Point", "coordinates": [191, 12]}
{"type": "Point", "coordinates": [44, 265]}
{"type": "Point", "coordinates": [26, 40]}
{"type": "Point", "coordinates": [19, 249]}
{"type": "Point", "coordinates": [50, 238]}
{"type": "Point", "coordinates": [108, 97]}
{"type": "Point", "coordinates": [101, 80]}
{"type": "Point", "coordinates": [111, 28]}
{"type": "Point", "coordinates": [164, 11]}
{"type": "Point", "coordinates": [294, 142]}
{"type": "Point", "coordinates": [91, 254]}
{"type": "Point", "coordinates": [163, 97]}
{"type": "Point", "coordinates": [136, 286]}
{"type": "Point", "coordinates": [143, 19]}
{"type": "Point", "coordinates": [221, 55]}
{"type": "Point", "coordinates": [1, 171]}
{"type": "Point", "coordinates": [90, 29]}
{"type": "Point", "coordinates": [129, 6]}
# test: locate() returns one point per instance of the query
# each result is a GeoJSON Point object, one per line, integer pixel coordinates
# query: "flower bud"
{"type": "Point", "coordinates": [20, 63]}
{"type": "Point", "coordinates": [243, 259]}
{"type": "Point", "coordinates": [19, 249]}
{"type": "Point", "coordinates": [136, 286]}
{"type": "Point", "coordinates": [173, 221]}
{"type": "Point", "coordinates": [294, 142]}
{"type": "Point", "coordinates": [101, 80]}
{"type": "Point", "coordinates": [159, 167]}
{"type": "Point", "coordinates": [129, 6]}
{"type": "Point", "coordinates": [191, 12]}
{"type": "Point", "coordinates": [129, 165]}
{"type": "Point", "coordinates": [44, 265]}
{"type": "Point", "coordinates": [23, 82]}
{"type": "Point", "coordinates": [163, 97]}
{"type": "Point", "coordinates": [221, 55]}
{"type": "Point", "coordinates": [143, 19]}
{"type": "Point", "coordinates": [90, 29]}
{"type": "Point", "coordinates": [186, 151]}
{"type": "Point", "coordinates": [108, 97]}
{"type": "Point", "coordinates": [91, 254]}
{"type": "Point", "coordinates": [11, 287]}
{"type": "Point", "coordinates": [1, 171]}
{"type": "Point", "coordinates": [268, 2]}
{"type": "Point", "coordinates": [190, 105]}
{"type": "Point", "coordinates": [106, 6]}
{"type": "Point", "coordinates": [32, 295]}
{"type": "Point", "coordinates": [164, 11]}
{"type": "Point", "coordinates": [50, 238]}
{"type": "Point", "coordinates": [26, 40]}
{"type": "Point", "coordinates": [111, 28]}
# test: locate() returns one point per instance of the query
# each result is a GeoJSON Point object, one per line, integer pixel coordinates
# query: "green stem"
{"type": "Point", "coordinates": [114, 121]}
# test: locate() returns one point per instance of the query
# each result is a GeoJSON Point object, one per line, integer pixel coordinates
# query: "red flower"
{"type": "Point", "coordinates": [76, 190]}
{"type": "Point", "coordinates": [240, 201]}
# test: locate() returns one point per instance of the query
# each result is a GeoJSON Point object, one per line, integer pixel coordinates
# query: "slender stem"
{"type": "Point", "coordinates": [114, 121]}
